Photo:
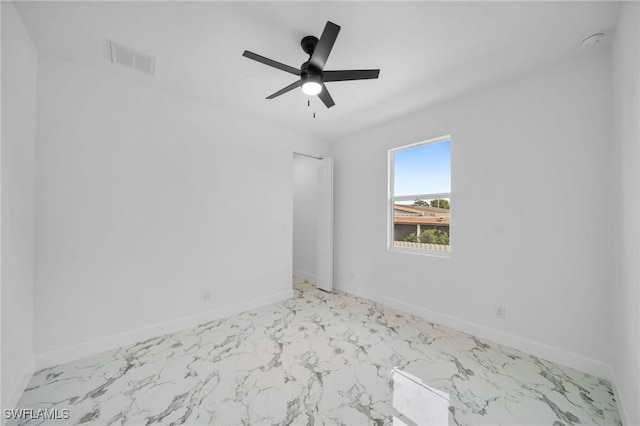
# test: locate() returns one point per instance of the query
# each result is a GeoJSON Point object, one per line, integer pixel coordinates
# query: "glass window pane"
{"type": "Point", "coordinates": [425, 169]}
{"type": "Point", "coordinates": [422, 224]}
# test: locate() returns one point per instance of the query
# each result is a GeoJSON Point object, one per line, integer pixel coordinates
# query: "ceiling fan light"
{"type": "Point", "coordinates": [311, 88]}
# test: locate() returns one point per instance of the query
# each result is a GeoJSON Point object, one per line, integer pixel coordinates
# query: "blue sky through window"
{"type": "Point", "coordinates": [424, 169]}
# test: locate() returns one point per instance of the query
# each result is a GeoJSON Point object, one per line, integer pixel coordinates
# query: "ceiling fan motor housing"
{"type": "Point", "coordinates": [309, 77]}
{"type": "Point", "coordinates": [308, 68]}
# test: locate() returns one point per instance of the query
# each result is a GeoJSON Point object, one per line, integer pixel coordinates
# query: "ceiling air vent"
{"type": "Point", "coordinates": [132, 58]}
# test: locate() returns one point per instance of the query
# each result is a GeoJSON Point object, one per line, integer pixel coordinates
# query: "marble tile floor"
{"type": "Point", "coordinates": [319, 359]}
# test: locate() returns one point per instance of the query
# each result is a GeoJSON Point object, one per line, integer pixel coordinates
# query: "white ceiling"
{"type": "Point", "coordinates": [428, 52]}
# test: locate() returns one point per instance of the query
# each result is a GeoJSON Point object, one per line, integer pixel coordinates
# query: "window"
{"type": "Point", "coordinates": [420, 197]}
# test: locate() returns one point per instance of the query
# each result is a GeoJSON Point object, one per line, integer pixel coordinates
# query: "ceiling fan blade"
{"type": "Point", "coordinates": [285, 90]}
{"type": "Point", "coordinates": [324, 46]}
{"type": "Point", "coordinates": [325, 97]}
{"type": "Point", "coordinates": [344, 75]}
{"type": "Point", "coordinates": [271, 62]}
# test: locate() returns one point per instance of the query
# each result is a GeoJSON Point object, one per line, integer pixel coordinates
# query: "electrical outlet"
{"type": "Point", "coordinates": [206, 296]}
{"type": "Point", "coordinates": [500, 311]}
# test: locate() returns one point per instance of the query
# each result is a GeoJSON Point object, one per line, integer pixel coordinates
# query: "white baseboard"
{"type": "Point", "coordinates": [82, 350]}
{"type": "Point", "coordinates": [303, 274]}
{"type": "Point", "coordinates": [622, 408]}
{"type": "Point", "coordinates": [13, 398]}
{"type": "Point", "coordinates": [353, 290]}
{"type": "Point", "coordinates": [532, 347]}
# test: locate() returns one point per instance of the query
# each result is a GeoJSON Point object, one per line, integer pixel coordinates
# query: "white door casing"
{"type": "Point", "coordinates": [324, 264]}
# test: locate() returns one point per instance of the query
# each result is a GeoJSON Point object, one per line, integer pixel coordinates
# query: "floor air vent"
{"type": "Point", "coordinates": [131, 58]}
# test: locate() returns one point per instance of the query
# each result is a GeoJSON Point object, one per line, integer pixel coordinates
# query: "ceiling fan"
{"type": "Point", "coordinates": [312, 73]}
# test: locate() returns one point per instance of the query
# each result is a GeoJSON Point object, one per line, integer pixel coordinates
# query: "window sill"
{"type": "Point", "coordinates": [430, 253]}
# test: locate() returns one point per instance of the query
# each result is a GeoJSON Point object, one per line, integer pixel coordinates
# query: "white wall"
{"type": "Point", "coordinates": [530, 229]}
{"type": "Point", "coordinates": [626, 141]}
{"type": "Point", "coordinates": [135, 190]}
{"type": "Point", "coordinates": [19, 66]}
{"type": "Point", "coordinates": [305, 217]}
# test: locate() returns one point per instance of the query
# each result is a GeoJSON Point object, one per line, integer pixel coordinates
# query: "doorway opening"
{"type": "Point", "coordinates": [313, 219]}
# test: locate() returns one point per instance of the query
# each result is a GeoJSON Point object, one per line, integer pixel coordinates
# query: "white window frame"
{"type": "Point", "coordinates": [392, 199]}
